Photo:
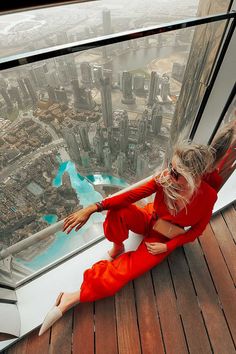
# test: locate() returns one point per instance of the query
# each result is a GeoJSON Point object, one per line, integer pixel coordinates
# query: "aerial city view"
{"type": "Point", "coordinates": [77, 128]}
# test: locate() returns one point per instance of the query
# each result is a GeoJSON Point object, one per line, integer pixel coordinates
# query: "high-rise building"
{"type": "Point", "coordinates": [73, 146]}
{"type": "Point", "coordinates": [23, 89]}
{"type": "Point", "coordinates": [127, 90]}
{"type": "Point", "coordinates": [97, 74]}
{"type": "Point", "coordinates": [178, 71]}
{"type": "Point", "coordinates": [165, 88]}
{"type": "Point", "coordinates": [121, 163]}
{"type": "Point", "coordinates": [156, 116]}
{"type": "Point", "coordinates": [124, 132]}
{"type": "Point", "coordinates": [85, 158]}
{"type": "Point", "coordinates": [142, 131]}
{"type": "Point", "coordinates": [105, 89]}
{"type": "Point", "coordinates": [83, 133]}
{"type": "Point", "coordinates": [15, 96]}
{"type": "Point", "coordinates": [139, 82]}
{"type": "Point", "coordinates": [51, 94]}
{"type": "Point", "coordinates": [98, 148]}
{"type": "Point", "coordinates": [86, 73]}
{"type": "Point", "coordinates": [31, 90]}
{"type": "Point", "coordinates": [107, 73]}
{"type": "Point", "coordinates": [52, 78]}
{"type": "Point", "coordinates": [106, 21]}
{"type": "Point", "coordinates": [6, 99]}
{"type": "Point", "coordinates": [142, 167]}
{"type": "Point", "coordinates": [61, 95]}
{"type": "Point", "coordinates": [82, 96]}
{"type": "Point", "coordinates": [153, 88]}
{"type": "Point", "coordinates": [38, 74]}
{"type": "Point", "coordinates": [107, 158]}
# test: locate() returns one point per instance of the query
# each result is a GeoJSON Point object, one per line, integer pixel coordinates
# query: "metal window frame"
{"type": "Point", "coordinates": [56, 51]}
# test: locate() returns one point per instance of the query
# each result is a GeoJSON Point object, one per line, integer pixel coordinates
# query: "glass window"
{"type": "Point", "coordinates": [77, 128]}
{"type": "Point", "coordinates": [43, 28]}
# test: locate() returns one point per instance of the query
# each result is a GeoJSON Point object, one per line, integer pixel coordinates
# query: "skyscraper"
{"type": "Point", "coordinates": [165, 88]}
{"type": "Point", "coordinates": [73, 146]}
{"type": "Point", "coordinates": [51, 94]}
{"type": "Point", "coordinates": [23, 88]}
{"type": "Point", "coordinates": [86, 73]}
{"type": "Point", "coordinates": [127, 90]}
{"type": "Point", "coordinates": [107, 158]}
{"type": "Point", "coordinates": [156, 116]}
{"type": "Point", "coordinates": [142, 131]}
{"type": "Point", "coordinates": [15, 96]}
{"type": "Point", "coordinates": [153, 88]}
{"type": "Point", "coordinates": [82, 96]}
{"type": "Point", "coordinates": [105, 90]}
{"type": "Point", "coordinates": [6, 99]}
{"type": "Point", "coordinates": [124, 132]}
{"type": "Point", "coordinates": [97, 74]}
{"type": "Point", "coordinates": [83, 133]}
{"type": "Point", "coordinates": [139, 81]}
{"type": "Point", "coordinates": [142, 167]}
{"type": "Point", "coordinates": [61, 95]}
{"type": "Point", "coordinates": [31, 90]}
{"type": "Point", "coordinates": [121, 163]}
{"type": "Point", "coordinates": [98, 148]}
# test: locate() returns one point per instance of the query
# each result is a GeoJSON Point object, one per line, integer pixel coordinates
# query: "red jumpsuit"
{"type": "Point", "coordinates": [105, 278]}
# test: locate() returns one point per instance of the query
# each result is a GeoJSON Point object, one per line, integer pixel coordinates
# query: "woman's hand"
{"type": "Point", "coordinates": [156, 247]}
{"type": "Point", "coordinates": [78, 219]}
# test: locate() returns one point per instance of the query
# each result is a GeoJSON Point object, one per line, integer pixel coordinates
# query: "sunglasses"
{"type": "Point", "coordinates": [173, 172]}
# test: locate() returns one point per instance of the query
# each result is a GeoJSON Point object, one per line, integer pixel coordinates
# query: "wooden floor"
{"type": "Point", "coordinates": [185, 305]}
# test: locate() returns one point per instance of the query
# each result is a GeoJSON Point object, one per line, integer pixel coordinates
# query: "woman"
{"type": "Point", "coordinates": [182, 198]}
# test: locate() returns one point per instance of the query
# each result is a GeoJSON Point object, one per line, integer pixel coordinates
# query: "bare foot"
{"type": "Point", "coordinates": [116, 250]}
{"type": "Point", "coordinates": [68, 300]}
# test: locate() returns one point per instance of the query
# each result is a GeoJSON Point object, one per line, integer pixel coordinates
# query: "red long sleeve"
{"type": "Point", "coordinates": [197, 229]}
{"type": "Point", "coordinates": [132, 196]}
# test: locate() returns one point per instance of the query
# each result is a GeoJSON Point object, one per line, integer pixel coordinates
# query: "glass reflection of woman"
{"type": "Point", "coordinates": [182, 198]}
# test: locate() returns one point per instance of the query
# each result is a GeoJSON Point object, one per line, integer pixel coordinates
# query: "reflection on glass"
{"type": "Point", "coordinates": [78, 128]}
{"type": "Point", "coordinates": [33, 30]}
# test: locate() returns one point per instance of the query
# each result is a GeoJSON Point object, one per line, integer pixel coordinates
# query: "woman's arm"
{"type": "Point", "coordinates": [195, 231]}
{"type": "Point", "coordinates": [131, 196]}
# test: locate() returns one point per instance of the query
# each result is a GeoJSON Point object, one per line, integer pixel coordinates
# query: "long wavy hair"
{"type": "Point", "coordinates": [192, 162]}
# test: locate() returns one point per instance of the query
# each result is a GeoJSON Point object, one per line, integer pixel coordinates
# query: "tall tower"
{"type": "Point", "coordinates": [127, 91]}
{"type": "Point", "coordinates": [15, 96]}
{"type": "Point", "coordinates": [23, 88]}
{"type": "Point", "coordinates": [142, 131]}
{"type": "Point", "coordinates": [106, 21]}
{"type": "Point", "coordinates": [73, 146]}
{"type": "Point", "coordinates": [106, 102]}
{"type": "Point", "coordinates": [153, 88]}
{"type": "Point", "coordinates": [61, 95]}
{"type": "Point", "coordinates": [83, 133]}
{"type": "Point", "coordinates": [31, 90]}
{"type": "Point", "coordinates": [139, 81]}
{"type": "Point", "coordinates": [6, 99]}
{"type": "Point", "coordinates": [121, 163]}
{"type": "Point", "coordinates": [51, 94]}
{"type": "Point", "coordinates": [124, 132]}
{"type": "Point", "coordinates": [156, 118]}
{"type": "Point", "coordinates": [107, 158]}
{"type": "Point", "coordinates": [165, 88]}
{"type": "Point", "coordinates": [86, 73]}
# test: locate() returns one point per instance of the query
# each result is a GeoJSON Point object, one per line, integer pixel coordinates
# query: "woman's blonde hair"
{"type": "Point", "coordinates": [192, 162]}
{"type": "Point", "coordinates": [222, 141]}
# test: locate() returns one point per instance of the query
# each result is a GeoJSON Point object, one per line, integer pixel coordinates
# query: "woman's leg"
{"type": "Point", "coordinates": [106, 278]}
{"type": "Point", "coordinates": [119, 222]}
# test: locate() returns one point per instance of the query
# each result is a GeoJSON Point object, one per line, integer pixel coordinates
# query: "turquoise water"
{"type": "Point", "coordinates": [87, 195]}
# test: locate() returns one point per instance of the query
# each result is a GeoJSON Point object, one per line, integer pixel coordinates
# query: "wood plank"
{"type": "Point", "coordinates": [208, 301]}
{"type": "Point", "coordinates": [105, 326]}
{"type": "Point", "coordinates": [225, 242]}
{"type": "Point", "coordinates": [127, 328]}
{"type": "Point", "coordinates": [229, 215]}
{"type": "Point", "coordinates": [83, 332]}
{"type": "Point", "coordinates": [38, 344]}
{"type": "Point", "coordinates": [149, 326]}
{"type": "Point", "coordinates": [168, 311]}
{"type": "Point", "coordinates": [221, 277]}
{"type": "Point", "coordinates": [19, 347]}
{"type": "Point", "coordinates": [188, 305]}
{"type": "Point", "coordinates": [61, 334]}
